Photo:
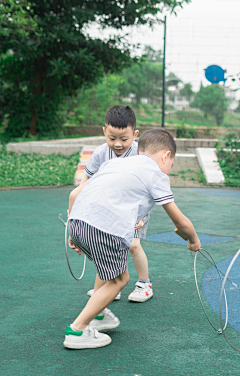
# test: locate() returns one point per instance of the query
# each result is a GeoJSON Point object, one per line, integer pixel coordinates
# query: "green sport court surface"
{"type": "Point", "coordinates": [168, 335]}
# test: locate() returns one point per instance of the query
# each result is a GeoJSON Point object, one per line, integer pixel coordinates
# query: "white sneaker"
{"type": "Point", "coordinates": [143, 291]}
{"type": "Point", "coordinates": [88, 338]}
{"type": "Point", "coordinates": [90, 293]}
{"type": "Point", "coordinates": [105, 320]}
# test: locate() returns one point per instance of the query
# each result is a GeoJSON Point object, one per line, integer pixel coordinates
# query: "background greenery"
{"type": "Point", "coordinates": [35, 170]}
{"type": "Point", "coordinates": [46, 54]}
{"type": "Point", "coordinates": [229, 159]}
{"type": "Point", "coordinates": [53, 74]}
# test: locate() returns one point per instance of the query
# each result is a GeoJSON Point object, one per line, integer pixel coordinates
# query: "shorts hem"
{"type": "Point", "coordinates": [114, 274]}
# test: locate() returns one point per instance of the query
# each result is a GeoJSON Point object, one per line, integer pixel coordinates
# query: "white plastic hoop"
{"type": "Point", "coordinates": [66, 249]}
{"type": "Point", "coordinates": [221, 294]}
{"type": "Point", "coordinates": [195, 274]}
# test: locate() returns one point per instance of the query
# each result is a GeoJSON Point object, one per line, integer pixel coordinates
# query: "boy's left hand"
{"type": "Point", "coordinates": [139, 225]}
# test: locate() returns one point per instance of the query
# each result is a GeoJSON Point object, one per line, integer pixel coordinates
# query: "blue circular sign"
{"type": "Point", "coordinates": [215, 74]}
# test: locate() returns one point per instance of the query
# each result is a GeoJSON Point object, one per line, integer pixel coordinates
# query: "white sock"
{"type": "Point", "coordinates": [144, 280]}
{"type": "Point", "coordinates": [75, 329]}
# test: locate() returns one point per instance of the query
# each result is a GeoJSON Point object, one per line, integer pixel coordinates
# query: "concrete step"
{"type": "Point", "coordinates": [72, 145]}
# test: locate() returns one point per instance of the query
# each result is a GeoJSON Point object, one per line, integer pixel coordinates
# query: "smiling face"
{"type": "Point", "coordinates": [119, 139]}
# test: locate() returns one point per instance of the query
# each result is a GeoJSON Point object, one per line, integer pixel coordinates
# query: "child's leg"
{"type": "Point", "coordinates": [140, 259]}
{"type": "Point", "coordinates": [143, 290]}
{"type": "Point", "coordinates": [98, 283]}
{"type": "Point", "coordinates": [101, 299]}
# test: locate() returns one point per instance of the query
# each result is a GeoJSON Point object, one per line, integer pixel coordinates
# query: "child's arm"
{"type": "Point", "coordinates": [184, 225]}
{"type": "Point", "coordinates": [84, 179]}
{"type": "Point", "coordinates": [73, 196]}
{"type": "Point", "coordinates": [75, 192]}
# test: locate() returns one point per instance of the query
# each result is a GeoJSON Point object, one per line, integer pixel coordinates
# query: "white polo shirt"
{"type": "Point", "coordinates": [122, 192]}
{"type": "Point", "coordinates": [103, 154]}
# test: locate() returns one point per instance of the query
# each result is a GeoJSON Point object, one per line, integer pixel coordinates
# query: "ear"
{"type": "Point", "coordinates": [104, 131]}
{"type": "Point", "coordinates": [135, 134]}
{"type": "Point", "coordinates": [166, 155]}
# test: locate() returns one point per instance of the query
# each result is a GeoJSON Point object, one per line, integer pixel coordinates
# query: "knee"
{"type": "Point", "coordinates": [126, 279]}
{"type": "Point", "coordinates": [123, 279]}
{"type": "Point", "coordinates": [135, 249]}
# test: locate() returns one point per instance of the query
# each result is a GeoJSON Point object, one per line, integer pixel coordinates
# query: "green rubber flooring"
{"type": "Point", "coordinates": [168, 335]}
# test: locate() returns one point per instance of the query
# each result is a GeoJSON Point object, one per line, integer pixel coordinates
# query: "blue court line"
{"type": "Point", "coordinates": [234, 193]}
{"type": "Point", "coordinates": [211, 287]}
{"type": "Point", "coordinates": [171, 237]}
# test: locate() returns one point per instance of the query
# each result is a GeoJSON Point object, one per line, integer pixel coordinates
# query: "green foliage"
{"type": "Point", "coordinates": [89, 106]}
{"type": "Point", "coordinates": [185, 132]}
{"type": "Point", "coordinates": [46, 54]}
{"type": "Point", "coordinates": [152, 55]}
{"type": "Point", "coordinates": [229, 158]}
{"type": "Point", "coordinates": [187, 91]}
{"type": "Point", "coordinates": [212, 101]}
{"type": "Point", "coordinates": [16, 17]}
{"type": "Point", "coordinates": [201, 177]}
{"type": "Point", "coordinates": [35, 170]}
{"type": "Point", "coordinates": [142, 80]}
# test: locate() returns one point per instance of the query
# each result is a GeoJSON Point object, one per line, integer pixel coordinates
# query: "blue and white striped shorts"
{"type": "Point", "coordinates": [108, 252]}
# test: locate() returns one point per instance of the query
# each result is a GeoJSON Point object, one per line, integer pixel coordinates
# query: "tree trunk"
{"type": "Point", "coordinates": [37, 89]}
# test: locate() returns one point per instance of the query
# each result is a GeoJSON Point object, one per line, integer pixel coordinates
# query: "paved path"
{"type": "Point", "coordinates": [168, 335]}
{"type": "Point", "coordinates": [184, 173]}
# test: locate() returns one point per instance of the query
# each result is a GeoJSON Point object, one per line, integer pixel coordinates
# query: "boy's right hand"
{"type": "Point", "coordinates": [73, 246]}
{"type": "Point", "coordinates": [194, 246]}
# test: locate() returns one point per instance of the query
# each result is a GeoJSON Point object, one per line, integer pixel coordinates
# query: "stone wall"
{"type": "Point", "coordinates": [96, 130]}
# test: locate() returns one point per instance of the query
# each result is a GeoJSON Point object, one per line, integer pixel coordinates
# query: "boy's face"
{"type": "Point", "coordinates": [119, 140]}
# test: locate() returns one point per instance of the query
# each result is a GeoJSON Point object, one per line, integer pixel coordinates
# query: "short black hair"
{"type": "Point", "coordinates": [120, 116]}
{"type": "Point", "coordinates": [154, 140]}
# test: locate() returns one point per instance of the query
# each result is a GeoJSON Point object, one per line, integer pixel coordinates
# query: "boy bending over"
{"type": "Point", "coordinates": [102, 220]}
{"type": "Point", "coordinates": [120, 132]}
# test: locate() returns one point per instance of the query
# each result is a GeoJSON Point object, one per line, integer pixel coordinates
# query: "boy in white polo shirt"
{"type": "Point", "coordinates": [120, 132]}
{"type": "Point", "coordinates": [102, 220]}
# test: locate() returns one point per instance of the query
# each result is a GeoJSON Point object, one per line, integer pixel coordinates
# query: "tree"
{"type": "Point", "coordinates": [187, 91]}
{"type": "Point", "coordinates": [152, 55]}
{"type": "Point", "coordinates": [53, 57]}
{"type": "Point", "coordinates": [141, 79]}
{"type": "Point", "coordinates": [212, 101]}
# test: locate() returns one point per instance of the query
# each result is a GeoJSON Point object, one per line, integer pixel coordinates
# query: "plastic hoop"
{"type": "Point", "coordinates": [221, 294]}
{"type": "Point", "coordinates": [66, 246]}
{"type": "Point", "coordinates": [195, 275]}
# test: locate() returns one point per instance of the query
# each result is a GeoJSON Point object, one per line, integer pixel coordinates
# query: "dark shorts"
{"type": "Point", "coordinates": [142, 232]}
{"type": "Point", "coordinates": [108, 252]}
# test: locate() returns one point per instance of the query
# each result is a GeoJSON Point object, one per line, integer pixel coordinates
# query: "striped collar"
{"type": "Point", "coordinates": [112, 155]}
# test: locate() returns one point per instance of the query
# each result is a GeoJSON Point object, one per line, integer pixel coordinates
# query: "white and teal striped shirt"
{"type": "Point", "coordinates": [103, 154]}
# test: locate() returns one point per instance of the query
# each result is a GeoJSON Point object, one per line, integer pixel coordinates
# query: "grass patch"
{"type": "Point", "coordinates": [36, 170]}
{"type": "Point", "coordinates": [230, 165]}
{"type": "Point", "coordinates": [229, 158]}
{"type": "Point", "coordinates": [201, 177]}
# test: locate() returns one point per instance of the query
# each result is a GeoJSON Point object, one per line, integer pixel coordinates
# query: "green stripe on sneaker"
{"type": "Point", "coordinates": [70, 331]}
{"type": "Point", "coordinates": [99, 317]}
